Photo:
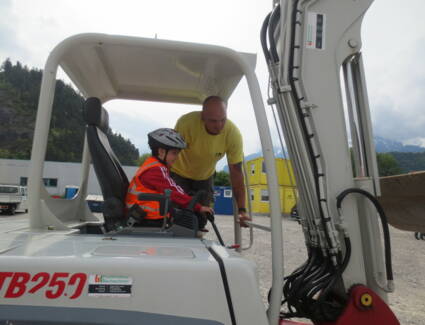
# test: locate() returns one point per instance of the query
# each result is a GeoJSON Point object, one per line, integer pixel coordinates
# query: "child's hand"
{"type": "Point", "coordinates": [205, 209]}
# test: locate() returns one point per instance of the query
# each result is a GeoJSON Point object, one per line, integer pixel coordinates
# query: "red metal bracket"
{"type": "Point", "coordinates": [364, 307]}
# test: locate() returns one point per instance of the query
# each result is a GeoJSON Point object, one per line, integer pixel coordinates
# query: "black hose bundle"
{"type": "Point", "coordinates": [384, 223]}
{"type": "Point", "coordinates": [315, 289]}
{"type": "Point", "coordinates": [312, 292]}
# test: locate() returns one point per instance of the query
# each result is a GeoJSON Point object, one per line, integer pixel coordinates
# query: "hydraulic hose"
{"type": "Point", "coordinates": [384, 223]}
{"type": "Point", "coordinates": [263, 38]}
{"type": "Point", "coordinates": [274, 19]}
{"type": "Point", "coordinates": [308, 290]}
{"type": "Point", "coordinates": [308, 137]}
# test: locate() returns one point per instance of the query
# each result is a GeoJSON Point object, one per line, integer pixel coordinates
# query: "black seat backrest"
{"type": "Point", "coordinates": [112, 178]}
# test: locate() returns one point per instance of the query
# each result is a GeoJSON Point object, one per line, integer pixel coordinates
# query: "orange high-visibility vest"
{"type": "Point", "coordinates": [136, 187]}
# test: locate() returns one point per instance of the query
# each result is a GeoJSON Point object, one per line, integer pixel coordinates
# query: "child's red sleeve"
{"type": "Point", "coordinates": [159, 179]}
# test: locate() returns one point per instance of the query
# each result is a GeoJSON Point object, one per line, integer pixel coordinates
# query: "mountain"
{"type": "Point", "coordinates": [409, 157]}
{"type": "Point", "coordinates": [19, 92]}
{"type": "Point", "coordinates": [381, 145]}
{"type": "Point", "coordinates": [277, 152]}
{"type": "Point", "coordinates": [410, 161]}
{"type": "Point", "coordinates": [387, 145]}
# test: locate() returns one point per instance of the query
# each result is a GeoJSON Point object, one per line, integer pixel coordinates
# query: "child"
{"type": "Point", "coordinates": [153, 176]}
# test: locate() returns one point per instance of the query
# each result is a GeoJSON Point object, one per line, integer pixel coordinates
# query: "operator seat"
{"type": "Point", "coordinates": [114, 182]}
{"type": "Point", "coordinates": [112, 178]}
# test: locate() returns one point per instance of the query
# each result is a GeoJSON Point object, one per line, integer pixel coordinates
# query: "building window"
{"type": "Point", "coordinates": [23, 181]}
{"type": "Point", "coordinates": [264, 195]}
{"type": "Point", "coordinates": [252, 169]}
{"type": "Point", "coordinates": [252, 194]}
{"type": "Point", "coordinates": [50, 182]}
{"type": "Point", "coordinates": [8, 189]}
{"type": "Point", "coordinates": [227, 193]}
{"type": "Point", "coordinates": [263, 166]}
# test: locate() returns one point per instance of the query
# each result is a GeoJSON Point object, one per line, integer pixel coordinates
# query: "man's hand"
{"type": "Point", "coordinates": [243, 216]}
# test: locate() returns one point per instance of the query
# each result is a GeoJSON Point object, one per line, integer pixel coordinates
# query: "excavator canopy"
{"type": "Point", "coordinates": [110, 66]}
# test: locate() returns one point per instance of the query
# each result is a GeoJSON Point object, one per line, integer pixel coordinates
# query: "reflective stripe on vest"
{"type": "Point", "coordinates": [136, 188]}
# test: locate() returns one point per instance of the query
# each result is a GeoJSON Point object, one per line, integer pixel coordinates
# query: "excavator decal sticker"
{"type": "Point", "coordinates": [315, 38]}
{"type": "Point", "coordinates": [109, 285]}
{"type": "Point", "coordinates": [54, 285]}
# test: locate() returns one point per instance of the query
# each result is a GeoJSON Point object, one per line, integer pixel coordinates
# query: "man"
{"type": "Point", "coordinates": [209, 136]}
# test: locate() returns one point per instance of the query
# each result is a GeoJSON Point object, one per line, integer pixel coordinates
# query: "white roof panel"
{"type": "Point", "coordinates": [111, 67]}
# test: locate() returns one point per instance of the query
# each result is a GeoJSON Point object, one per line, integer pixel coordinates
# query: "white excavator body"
{"type": "Point", "coordinates": [58, 278]}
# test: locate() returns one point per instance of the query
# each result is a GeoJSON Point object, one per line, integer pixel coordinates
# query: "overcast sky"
{"type": "Point", "coordinates": [393, 35]}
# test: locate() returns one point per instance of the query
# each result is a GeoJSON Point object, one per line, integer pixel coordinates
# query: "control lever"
{"type": "Point", "coordinates": [167, 196]}
{"type": "Point", "coordinates": [210, 218]}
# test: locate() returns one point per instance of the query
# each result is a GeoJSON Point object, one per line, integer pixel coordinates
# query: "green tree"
{"type": "Point", "coordinates": [387, 165]}
{"type": "Point", "coordinates": [126, 152]}
{"type": "Point", "coordinates": [19, 92]}
{"type": "Point", "coordinates": [142, 158]}
{"type": "Point", "coordinates": [221, 179]}
{"type": "Point", "coordinates": [410, 161]}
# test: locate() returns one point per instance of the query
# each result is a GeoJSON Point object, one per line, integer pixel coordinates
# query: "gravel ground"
{"type": "Point", "coordinates": [408, 300]}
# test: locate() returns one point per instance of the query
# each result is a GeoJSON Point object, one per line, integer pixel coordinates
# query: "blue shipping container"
{"type": "Point", "coordinates": [70, 191]}
{"type": "Point", "coordinates": [223, 200]}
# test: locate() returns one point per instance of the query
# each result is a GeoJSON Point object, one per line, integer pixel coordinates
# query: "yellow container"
{"type": "Point", "coordinates": [260, 199]}
{"type": "Point", "coordinates": [254, 170]}
{"type": "Point", "coordinates": [257, 172]}
{"type": "Point", "coordinates": [288, 198]}
{"type": "Point", "coordinates": [285, 173]}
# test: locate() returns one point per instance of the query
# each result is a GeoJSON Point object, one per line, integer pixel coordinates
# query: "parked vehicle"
{"type": "Point", "coordinates": [95, 202]}
{"type": "Point", "coordinates": [13, 198]}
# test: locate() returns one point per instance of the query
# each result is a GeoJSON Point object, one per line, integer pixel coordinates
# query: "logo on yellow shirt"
{"type": "Point", "coordinates": [218, 154]}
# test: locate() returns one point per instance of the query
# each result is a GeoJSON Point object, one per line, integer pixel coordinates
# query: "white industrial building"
{"type": "Point", "coordinates": [56, 175]}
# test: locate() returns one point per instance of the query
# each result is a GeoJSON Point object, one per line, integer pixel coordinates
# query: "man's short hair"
{"type": "Point", "coordinates": [213, 97]}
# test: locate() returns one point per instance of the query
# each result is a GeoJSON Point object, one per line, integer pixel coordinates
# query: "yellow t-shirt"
{"type": "Point", "coordinates": [204, 150]}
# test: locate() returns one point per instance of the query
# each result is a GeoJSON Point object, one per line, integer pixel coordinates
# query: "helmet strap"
{"type": "Point", "coordinates": [165, 157]}
{"type": "Point", "coordinates": [164, 160]}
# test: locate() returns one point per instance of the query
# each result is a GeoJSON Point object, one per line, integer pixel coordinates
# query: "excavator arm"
{"type": "Point", "coordinates": [313, 51]}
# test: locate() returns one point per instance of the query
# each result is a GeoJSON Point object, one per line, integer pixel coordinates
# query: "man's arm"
{"type": "Point", "coordinates": [238, 187]}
